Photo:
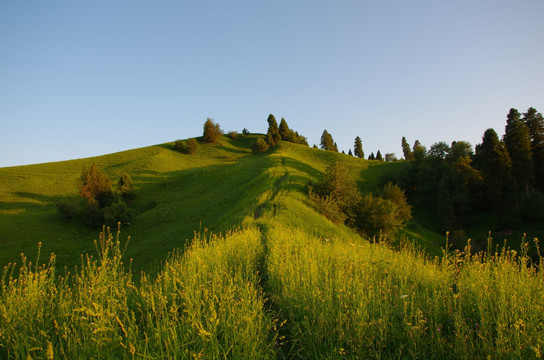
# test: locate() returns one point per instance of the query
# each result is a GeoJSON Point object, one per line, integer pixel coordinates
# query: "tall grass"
{"type": "Point", "coordinates": [359, 300]}
{"type": "Point", "coordinates": [205, 303]}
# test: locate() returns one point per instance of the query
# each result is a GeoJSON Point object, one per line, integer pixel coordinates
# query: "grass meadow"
{"type": "Point", "coordinates": [278, 281]}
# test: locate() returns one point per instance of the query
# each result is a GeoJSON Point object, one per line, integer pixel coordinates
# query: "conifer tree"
{"type": "Point", "coordinates": [371, 156]}
{"type": "Point", "coordinates": [358, 148]}
{"type": "Point", "coordinates": [379, 156]}
{"type": "Point", "coordinates": [518, 144]}
{"type": "Point", "coordinates": [535, 123]}
{"type": "Point", "coordinates": [273, 134]}
{"type": "Point", "coordinates": [495, 164]}
{"type": "Point", "coordinates": [408, 155]}
{"type": "Point", "coordinates": [285, 131]}
{"type": "Point", "coordinates": [350, 153]}
{"type": "Point", "coordinates": [335, 147]}
{"type": "Point", "coordinates": [327, 143]}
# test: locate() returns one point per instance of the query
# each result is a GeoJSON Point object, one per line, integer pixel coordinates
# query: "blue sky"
{"type": "Point", "coordinates": [85, 78]}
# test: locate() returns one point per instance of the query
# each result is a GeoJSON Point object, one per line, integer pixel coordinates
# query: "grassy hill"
{"type": "Point", "coordinates": [282, 282]}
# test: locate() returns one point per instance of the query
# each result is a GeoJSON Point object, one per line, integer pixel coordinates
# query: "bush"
{"type": "Point", "coordinates": [96, 187]}
{"type": "Point", "coordinates": [327, 206]}
{"type": "Point", "coordinates": [117, 212]}
{"type": "Point", "coordinates": [260, 146]}
{"type": "Point", "coordinates": [124, 188]}
{"type": "Point", "coordinates": [245, 131]}
{"type": "Point", "coordinates": [190, 146]}
{"type": "Point", "coordinates": [212, 131]}
{"type": "Point", "coordinates": [233, 135]}
{"type": "Point", "coordinates": [375, 214]}
{"type": "Point", "coordinates": [67, 209]}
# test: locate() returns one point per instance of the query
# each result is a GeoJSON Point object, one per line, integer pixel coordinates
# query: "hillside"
{"type": "Point", "coordinates": [218, 188]}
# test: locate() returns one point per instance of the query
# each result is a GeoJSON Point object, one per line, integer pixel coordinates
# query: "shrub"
{"type": "Point", "coordinates": [327, 206]}
{"type": "Point", "coordinates": [96, 187]}
{"type": "Point", "coordinates": [117, 212]}
{"type": "Point", "coordinates": [67, 209]}
{"type": "Point", "coordinates": [233, 135]}
{"type": "Point", "coordinates": [212, 131]}
{"type": "Point", "coordinates": [375, 214]}
{"type": "Point", "coordinates": [190, 146]}
{"type": "Point", "coordinates": [178, 145]}
{"type": "Point", "coordinates": [124, 188]}
{"type": "Point", "coordinates": [245, 131]}
{"type": "Point", "coordinates": [260, 146]}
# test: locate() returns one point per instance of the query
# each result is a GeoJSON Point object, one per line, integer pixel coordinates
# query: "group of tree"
{"type": "Point", "coordinates": [503, 176]}
{"type": "Point", "coordinates": [327, 142]}
{"type": "Point", "coordinates": [276, 133]}
{"type": "Point", "coordinates": [101, 202]}
{"type": "Point", "coordinates": [189, 146]}
{"type": "Point", "coordinates": [338, 198]}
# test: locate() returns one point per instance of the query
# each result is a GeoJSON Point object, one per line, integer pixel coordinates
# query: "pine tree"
{"type": "Point", "coordinates": [350, 153]}
{"type": "Point", "coordinates": [273, 134]}
{"type": "Point", "coordinates": [358, 148]}
{"type": "Point", "coordinates": [371, 156]}
{"type": "Point", "coordinates": [518, 144]}
{"type": "Point", "coordinates": [535, 123]}
{"type": "Point", "coordinates": [379, 156]}
{"type": "Point", "coordinates": [285, 133]}
{"type": "Point", "coordinates": [327, 143]}
{"type": "Point", "coordinates": [408, 155]}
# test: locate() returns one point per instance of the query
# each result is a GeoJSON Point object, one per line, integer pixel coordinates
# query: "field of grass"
{"type": "Point", "coordinates": [281, 282]}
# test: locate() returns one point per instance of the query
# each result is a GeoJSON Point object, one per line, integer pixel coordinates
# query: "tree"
{"type": "Point", "coordinates": [212, 132]}
{"type": "Point", "coordinates": [419, 151]}
{"type": "Point", "coordinates": [390, 157]}
{"type": "Point", "coordinates": [284, 130]}
{"type": "Point", "coordinates": [338, 183]}
{"type": "Point", "coordinates": [518, 144]}
{"type": "Point", "coordinates": [260, 145]}
{"type": "Point", "coordinates": [535, 124]}
{"type": "Point", "coordinates": [350, 153]}
{"type": "Point", "coordinates": [358, 148]}
{"type": "Point", "coordinates": [327, 143]}
{"type": "Point", "coordinates": [439, 150]}
{"type": "Point", "coordinates": [460, 149]}
{"type": "Point", "coordinates": [371, 156]}
{"type": "Point", "coordinates": [96, 187]}
{"type": "Point", "coordinates": [406, 150]}
{"type": "Point", "coordinates": [273, 134]}
{"type": "Point", "coordinates": [379, 156]}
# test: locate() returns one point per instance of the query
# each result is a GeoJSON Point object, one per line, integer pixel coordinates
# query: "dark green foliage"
{"type": "Point", "coordinates": [390, 157]}
{"type": "Point", "coordinates": [273, 134]}
{"type": "Point", "coordinates": [233, 135]}
{"type": "Point", "coordinates": [407, 152]}
{"type": "Point", "coordinates": [327, 143]}
{"type": "Point", "coordinates": [350, 153]}
{"type": "Point", "coordinates": [284, 130]}
{"type": "Point", "coordinates": [178, 145]}
{"type": "Point", "coordinates": [535, 123]}
{"type": "Point", "coordinates": [117, 212]}
{"type": "Point", "coordinates": [419, 151]}
{"type": "Point", "coordinates": [212, 132]}
{"type": "Point", "coordinates": [315, 146]}
{"type": "Point", "coordinates": [358, 148]}
{"type": "Point", "coordinates": [260, 145]}
{"type": "Point", "coordinates": [385, 213]}
{"type": "Point", "coordinates": [518, 144]}
{"type": "Point", "coordinates": [379, 156]}
{"type": "Point", "coordinates": [245, 131]}
{"type": "Point", "coordinates": [327, 206]}
{"type": "Point", "coordinates": [439, 150]}
{"type": "Point", "coordinates": [371, 156]}
{"type": "Point", "coordinates": [532, 207]}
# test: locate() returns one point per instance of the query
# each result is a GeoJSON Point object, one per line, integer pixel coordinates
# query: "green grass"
{"type": "Point", "coordinates": [281, 282]}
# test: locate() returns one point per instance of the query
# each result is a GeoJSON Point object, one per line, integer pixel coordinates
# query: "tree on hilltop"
{"type": "Point", "coordinates": [273, 135]}
{"type": "Point", "coordinates": [379, 156]}
{"type": "Point", "coordinates": [406, 150]}
{"type": "Point", "coordinates": [327, 143]}
{"type": "Point", "coordinates": [358, 148]}
{"type": "Point", "coordinates": [212, 132]}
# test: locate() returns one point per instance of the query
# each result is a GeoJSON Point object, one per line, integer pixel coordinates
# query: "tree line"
{"type": "Point", "coordinates": [504, 176]}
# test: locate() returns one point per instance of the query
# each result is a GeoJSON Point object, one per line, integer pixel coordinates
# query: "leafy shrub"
{"type": "Point", "coordinates": [260, 146]}
{"type": "Point", "coordinates": [117, 212]}
{"type": "Point", "coordinates": [190, 146]}
{"type": "Point", "coordinates": [233, 135]}
{"type": "Point", "coordinates": [212, 131]}
{"type": "Point", "coordinates": [375, 214]}
{"type": "Point", "coordinates": [96, 187]}
{"type": "Point", "coordinates": [327, 206]}
{"type": "Point", "coordinates": [124, 188]}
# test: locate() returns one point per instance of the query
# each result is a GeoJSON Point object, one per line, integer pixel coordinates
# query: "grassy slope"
{"type": "Point", "coordinates": [176, 195]}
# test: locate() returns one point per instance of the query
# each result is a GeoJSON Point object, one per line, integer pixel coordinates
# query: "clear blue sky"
{"type": "Point", "coordinates": [84, 78]}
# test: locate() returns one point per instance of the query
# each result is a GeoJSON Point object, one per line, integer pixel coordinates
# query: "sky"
{"type": "Point", "coordinates": [87, 78]}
